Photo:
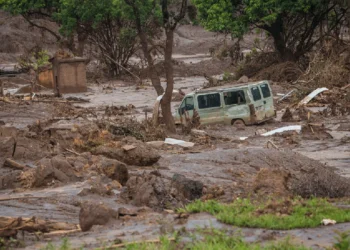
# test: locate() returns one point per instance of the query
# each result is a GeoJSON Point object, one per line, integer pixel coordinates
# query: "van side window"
{"type": "Point", "coordinates": [265, 90]}
{"type": "Point", "coordinates": [256, 93]}
{"type": "Point", "coordinates": [234, 97]}
{"type": "Point", "coordinates": [209, 101]}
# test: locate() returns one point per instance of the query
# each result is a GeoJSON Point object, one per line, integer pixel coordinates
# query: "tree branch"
{"type": "Point", "coordinates": [58, 38]}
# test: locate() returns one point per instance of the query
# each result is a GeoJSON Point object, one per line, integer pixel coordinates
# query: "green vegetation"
{"type": "Point", "coordinates": [214, 239]}
{"type": "Point", "coordinates": [293, 24]}
{"type": "Point", "coordinates": [286, 214]}
{"type": "Point", "coordinates": [64, 246]}
{"type": "Point", "coordinates": [34, 60]}
{"type": "Point", "coordinates": [343, 241]}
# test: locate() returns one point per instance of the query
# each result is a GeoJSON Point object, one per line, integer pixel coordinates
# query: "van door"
{"type": "Point", "coordinates": [268, 100]}
{"type": "Point", "coordinates": [236, 107]}
{"type": "Point", "coordinates": [210, 108]}
{"type": "Point", "coordinates": [258, 102]}
{"type": "Point", "coordinates": [186, 108]}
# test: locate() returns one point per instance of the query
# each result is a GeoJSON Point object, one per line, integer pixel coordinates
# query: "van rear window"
{"type": "Point", "coordinates": [256, 93]}
{"type": "Point", "coordinates": [234, 97]}
{"type": "Point", "coordinates": [209, 101]}
{"type": "Point", "coordinates": [265, 90]}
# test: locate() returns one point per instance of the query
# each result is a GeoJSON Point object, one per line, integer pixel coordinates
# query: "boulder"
{"type": "Point", "coordinates": [155, 144]}
{"type": "Point", "coordinates": [7, 145]}
{"type": "Point", "coordinates": [243, 79]}
{"type": "Point", "coordinates": [141, 155]}
{"type": "Point", "coordinates": [113, 169]}
{"type": "Point", "coordinates": [190, 189]}
{"type": "Point", "coordinates": [95, 214]}
{"type": "Point", "coordinates": [155, 191]}
{"type": "Point", "coordinates": [42, 176]}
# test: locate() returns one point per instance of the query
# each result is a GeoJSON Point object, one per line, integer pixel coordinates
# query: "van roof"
{"type": "Point", "coordinates": [228, 87]}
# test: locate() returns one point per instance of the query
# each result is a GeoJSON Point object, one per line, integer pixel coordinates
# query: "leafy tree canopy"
{"type": "Point", "coordinates": [292, 23]}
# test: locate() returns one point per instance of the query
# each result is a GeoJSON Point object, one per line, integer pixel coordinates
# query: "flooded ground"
{"type": "Point", "coordinates": [224, 160]}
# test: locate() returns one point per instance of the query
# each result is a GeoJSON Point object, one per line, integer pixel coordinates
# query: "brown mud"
{"type": "Point", "coordinates": [100, 166]}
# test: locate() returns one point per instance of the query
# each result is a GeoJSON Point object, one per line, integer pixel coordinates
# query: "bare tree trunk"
{"type": "Point", "coordinates": [152, 71]}
{"type": "Point", "coordinates": [82, 38]}
{"type": "Point", "coordinates": [169, 72]}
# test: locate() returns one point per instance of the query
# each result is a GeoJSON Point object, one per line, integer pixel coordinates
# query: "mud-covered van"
{"type": "Point", "coordinates": [249, 103]}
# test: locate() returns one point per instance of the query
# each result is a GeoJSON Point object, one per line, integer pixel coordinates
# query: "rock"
{"type": "Point", "coordinates": [272, 181]}
{"type": "Point", "coordinates": [243, 79]}
{"type": "Point", "coordinates": [122, 211]}
{"type": "Point", "coordinates": [42, 176]}
{"type": "Point", "coordinates": [7, 146]}
{"type": "Point", "coordinates": [155, 144]}
{"type": "Point", "coordinates": [128, 147]}
{"type": "Point", "coordinates": [142, 155]}
{"type": "Point", "coordinates": [60, 163]}
{"type": "Point", "coordinates": [198, 132]}
{"type": "Point", "coordinates": [287, 116]}
{"type": "Point", "coordinates": [115, 185]}
{"type": "Point", "coordinates": [260, 131]}
{"type": "Point", "coordinates": [9, 180]}
{"type": "Point", "coordinates": [8, 131]}
{"type": "Point", "coordinates": [96, 187]}
{"type": "Point", "coordinates": [114, 169]}
{"type": "Point", "coordinates": [148, 190]}
{"type": "Point", "coordinates": [159, 193]}
{"type": "Point", "coordinates": [190, 189]}
{"type": "Point", "coordinates": [31, 150]}
{"type": "Point", "coordinates": [95, 214]}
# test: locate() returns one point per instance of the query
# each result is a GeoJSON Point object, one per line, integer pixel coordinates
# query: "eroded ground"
{"type": "Point", "coordinates": [77, 146]}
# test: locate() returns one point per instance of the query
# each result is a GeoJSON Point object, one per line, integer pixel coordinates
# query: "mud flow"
{"type": "Point", "coordinates": [95, 168]}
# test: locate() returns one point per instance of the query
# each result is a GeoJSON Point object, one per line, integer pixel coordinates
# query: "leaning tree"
{"type": "Point", "coordinates": [150, 16]}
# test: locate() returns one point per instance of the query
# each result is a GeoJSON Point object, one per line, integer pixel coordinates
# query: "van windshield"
{"type": "Point", "coordinates": [209, 101]}
{"type": "Point", "coordinates": [234, 97]}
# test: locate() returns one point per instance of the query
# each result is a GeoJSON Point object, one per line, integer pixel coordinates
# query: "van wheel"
{"type": "Point", "coordinates": [238, 124]}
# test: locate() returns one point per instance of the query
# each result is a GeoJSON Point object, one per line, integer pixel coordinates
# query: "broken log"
{"type": "Point", "coordinates": [9, 226]}
{"type": "Point", "coordinates": [5, 99]}
{"type": "Point", "coordinates": [9, 163]}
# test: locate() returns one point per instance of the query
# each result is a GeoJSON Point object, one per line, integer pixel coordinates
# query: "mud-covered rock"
{"type": "Point", "coordinates": [148, 190]}
{"type": "Point", "coordinates": [271, 182]}
{"type": "Point", "coordinates": [31, 150]}
{"type": "Point", "coordinates": [114, 169]}
{"type": "Point", "coordinates": [320, 183]}
{"type": "Point", "coordinates": [42, 176]}
{"type": "Point", "coordinates": [287, 116]}
{"type": "Point", "coordinates": [8, 131]}
{"type": "Point", "coordinates": [7, 145]}
{"type": "Point", "coordinates": [61, 163]}
{"type": "Point", "coordinates": [190, 189]}
{"type": "Point", "coordinates": [156, 191]}
{"type": "Point", "coordinates": [81, 161]}
{"type": "Point", "coordinates": [95, 214]}
{"type": "Point", "coordinates": [309, 132]}
{"type": "Point", "coordinates": [96, 188]}
{"type": "Point", "coordinates": [122, 211]}
{"type": "Point", "coordinates": [9, 180]}
{"type": "Point", "coordinates": [141, 155]}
